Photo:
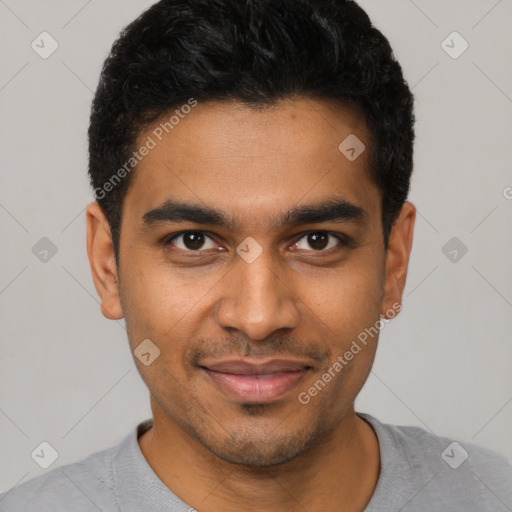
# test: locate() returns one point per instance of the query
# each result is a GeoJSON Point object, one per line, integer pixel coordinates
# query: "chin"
{"type": "Point", "coordinates": [271, 447]}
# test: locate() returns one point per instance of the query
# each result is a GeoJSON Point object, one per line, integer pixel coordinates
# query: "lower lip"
{"type": "Point", "coordinates": [256, 388]}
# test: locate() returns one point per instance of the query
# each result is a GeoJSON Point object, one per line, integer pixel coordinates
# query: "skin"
{"type": "Point", "coordinates": [294, 301]}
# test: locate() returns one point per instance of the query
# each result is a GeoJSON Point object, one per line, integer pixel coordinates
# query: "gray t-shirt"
{"type": "Point", "coordinates": [420, 472]}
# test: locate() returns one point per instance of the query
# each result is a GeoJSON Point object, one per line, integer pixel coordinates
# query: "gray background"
{"type": "Point", "coordinates": [66, 374]}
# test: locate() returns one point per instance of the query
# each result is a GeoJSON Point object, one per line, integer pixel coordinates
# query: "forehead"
{"type": "Point", "coordinates": [251, 163]}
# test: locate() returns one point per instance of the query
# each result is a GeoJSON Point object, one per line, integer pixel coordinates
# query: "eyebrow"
{"type": "Point", "coordinates": [328, 210]}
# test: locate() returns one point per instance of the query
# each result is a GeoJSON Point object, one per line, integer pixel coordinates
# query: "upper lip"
{"type": "Point", "coordinates": [252, 367]}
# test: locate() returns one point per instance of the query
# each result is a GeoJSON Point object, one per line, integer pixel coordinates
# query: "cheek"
{"type": "Point", "coordinates": [346, 299]}
{"type": "Point", "coordinates": [157, 294]}
{"type": "Point", "coordinates": [165, 303]}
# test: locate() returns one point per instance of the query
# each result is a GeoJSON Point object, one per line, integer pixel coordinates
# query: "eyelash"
{"type": "Point", "coordinates": [344, 242]}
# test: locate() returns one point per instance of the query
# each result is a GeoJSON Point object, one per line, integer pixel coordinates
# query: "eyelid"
{"type": "Point", "coordinates": [168, 239]}
{"type": "Point", "coordinates": [343, 240]}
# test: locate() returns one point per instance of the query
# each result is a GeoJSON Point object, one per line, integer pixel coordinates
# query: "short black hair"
{"type": "Point", "coordinates": [257, 52]}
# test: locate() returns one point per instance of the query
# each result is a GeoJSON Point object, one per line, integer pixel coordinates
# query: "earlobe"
{"type": "Point", "coordinates": [397, 259]}
{"type": "Point", "coordinates": [100, 252]}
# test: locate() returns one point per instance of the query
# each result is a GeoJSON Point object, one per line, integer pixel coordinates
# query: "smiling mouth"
{"type": "Point", "coordinates": [246, 381]}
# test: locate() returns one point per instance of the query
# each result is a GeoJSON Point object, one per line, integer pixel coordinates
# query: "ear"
{"type": "Point", "coordinates": [397, 258]}
{"type": "Point", "coordinates": [100, 251]}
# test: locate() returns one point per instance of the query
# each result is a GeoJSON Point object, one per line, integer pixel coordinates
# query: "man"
{"type": "Point", "coordinates": [251, 162]}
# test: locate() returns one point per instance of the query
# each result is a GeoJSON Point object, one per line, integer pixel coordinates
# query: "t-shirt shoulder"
{"type": "Point", "coordinates": [437, 471]}
{"type": "Point", "coordinates": [421, 446]}
{"type": "Point", "coordinates": [81, 486]}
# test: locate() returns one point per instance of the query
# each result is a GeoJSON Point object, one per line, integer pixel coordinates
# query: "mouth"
{"type": "Point", "coordinates": [252, 381]}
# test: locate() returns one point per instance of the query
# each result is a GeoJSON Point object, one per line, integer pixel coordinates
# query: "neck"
{"type": "Point", "coordinates": [341, 470]}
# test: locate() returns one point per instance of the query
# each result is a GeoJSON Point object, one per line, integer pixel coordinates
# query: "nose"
{"type": "Point", "coordinates": [257, 299]}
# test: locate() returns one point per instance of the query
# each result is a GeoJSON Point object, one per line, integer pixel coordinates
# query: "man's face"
{"type": "Point", "coordinates": [270, 292]}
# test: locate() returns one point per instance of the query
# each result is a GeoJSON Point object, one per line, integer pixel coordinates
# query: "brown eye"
{"type": "Point", "coordinates": [320, 241]}
{"type": "Point", "coordinates": [191, 241]}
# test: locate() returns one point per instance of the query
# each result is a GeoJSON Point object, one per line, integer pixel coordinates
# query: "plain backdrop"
{"type": "Point", "coordinates": [66, 373]}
